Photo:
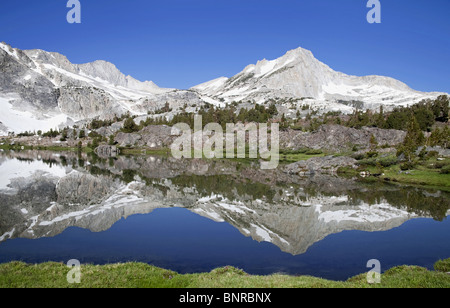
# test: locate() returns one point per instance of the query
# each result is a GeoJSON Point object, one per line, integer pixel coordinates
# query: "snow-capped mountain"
{"type": "Point", "coordinates": [40, 90]}
{"type": "Point", "coordinates": [299, 75]}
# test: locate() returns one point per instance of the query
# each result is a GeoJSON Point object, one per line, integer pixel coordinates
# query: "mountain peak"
{"type": "Point", "coordinates": [299, 51]}
{"type": "Point", "coordinates": [298, 74]}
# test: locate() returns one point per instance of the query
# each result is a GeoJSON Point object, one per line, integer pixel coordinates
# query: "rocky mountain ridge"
{"type": "Point", "coordinates": [299, 75]}
{"type": "Point", "coordinates": [40, 90]}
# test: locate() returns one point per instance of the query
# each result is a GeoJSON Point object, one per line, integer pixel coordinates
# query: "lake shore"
{"type": "Point", "coordinates": [140, 275]}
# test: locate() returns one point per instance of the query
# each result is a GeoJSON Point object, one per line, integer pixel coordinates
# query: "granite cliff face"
{"type": "Point", "coordinates": [18, 79]}
{"type": "Point", "coordinates": [82, 103]}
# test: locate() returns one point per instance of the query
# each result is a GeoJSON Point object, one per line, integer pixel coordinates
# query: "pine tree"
{"type": "Point", "coordinates": [272, 110]}
{"type": "Point", "coordinates": [373, 143]}
{"type": "Point", "coordinates": [129, 126]}
{"type": "Point", "coordinates": [413, 139]}
{"type": "Point", "coordinates": [63, 135]}
{"type": "Point", "coordinates": [380, 121]}
{"type": "Point", "coordinates": [82, 134]}
{"type": "Point", "coordinates": [111, 140]}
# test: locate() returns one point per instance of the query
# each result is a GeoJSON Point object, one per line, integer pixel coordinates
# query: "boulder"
{"type": "Point", "coordinates": [126, 139]}
{"type": "Point", "coordinates": [328, 164]}
{"type": "Point", "coordinates": [338, 138]}
{"type": "Point", "coordinates": [107, 151]}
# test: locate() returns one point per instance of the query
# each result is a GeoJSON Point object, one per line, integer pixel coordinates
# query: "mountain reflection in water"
{"type": "Point", "coordinates": [42, 194]}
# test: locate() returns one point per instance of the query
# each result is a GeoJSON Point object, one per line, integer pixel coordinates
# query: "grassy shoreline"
{"type": "Point", "coordinates": [141, 275]}
{"type": "Point", "coordinates": [420, 176]}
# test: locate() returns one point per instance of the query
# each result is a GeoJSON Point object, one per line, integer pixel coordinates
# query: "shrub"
{"type": "Point", "coordinates": [359, 156]}
{"type": "Point", "coordinates": [379, 162]}
{"type": "Point", "coordinates": [129, 126]}
{"type": "Point", "coordinates": [371, 154]}
{"type": "Point", "coordinates": [407, 166]}
{"type": "Point", "coordinates": [432, 154]}
{"type": "Point", "coordinates": [442, 266]}
{"type": "Point", "coordinates": [445, 169]}
{"type": "Point", "coordinates": [313, 152]}
{"type": "Point", "coordinates": [367, 162]}
{"type": "Point", "coordinates": [388, 161]}
{"type": "Point", "coordinates": [441, 164]}
{"type": "Point", "coordinates": [82, 134]}
{"type": "Point", "coordinates": [128, 175]}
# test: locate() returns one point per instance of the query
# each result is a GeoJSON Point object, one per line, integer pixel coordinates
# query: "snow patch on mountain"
{"type": "Point", "coordinates": [21, 121]}
{"type": "Point", "coordinates": [13, 169]}
{"type": "Point", "coordinates": [210, 87]}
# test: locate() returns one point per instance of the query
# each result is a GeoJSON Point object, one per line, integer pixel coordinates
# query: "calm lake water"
{"type": "Point", "coordinates": [196, 215]}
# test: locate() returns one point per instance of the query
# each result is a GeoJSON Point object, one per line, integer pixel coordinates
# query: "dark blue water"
{"type": "Point", "coordinates": [182, 241]}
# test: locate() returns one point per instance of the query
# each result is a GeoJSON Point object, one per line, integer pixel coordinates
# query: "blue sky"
{"type": "Point", "coordinates": [181, 43]}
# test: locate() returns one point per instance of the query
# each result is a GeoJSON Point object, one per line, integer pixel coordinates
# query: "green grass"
{"type": "Point", "coordinates": [140, 275]}
{"type": "Point", "coordinates": [284, 157]}
{"type": "Point", "coordinates": [420, 176]}
{"type": "Point", "coordinates": [143, 151]}
{"type": "Point", "coordinates": [442, 266]}
{"type": "Point", "coordinates": [292, 158]}
{"type": "Point", "coordinates": [424, 173]}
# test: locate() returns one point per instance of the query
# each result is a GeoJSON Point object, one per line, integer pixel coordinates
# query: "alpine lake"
{"type": "Point", "coordinates": [196, 215]}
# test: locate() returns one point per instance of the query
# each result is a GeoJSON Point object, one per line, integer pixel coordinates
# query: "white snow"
{"type": "Point", "coordinates": [209, 214]}
{"type": "Point", "coordinates": [117, 92]}
{"type": "Point", "coordinates": [237, 91]}
{"type": "Point", "coordinates": [249, 69]}
{"type": "Point", "coordinates": [262, 233]}
{"type": "Point", "coordinates": [7, 234]}
{"type": "Point", "coordinates": [13, 168]}
{"type": "Point", "coordinates": [267, 235]}
{"type": "Point", "coordinates": [21, 121]}
{"type": "Point", "coordinates": [363, 213]}
{"type": "Point", "coordinates": [211, 101]}
{"type": "Point", "coordinates": [211, 85]}
{"type": "Point", "coordinates": [11, 52]}
{"type": "Point", "coordinates": [209, 198]}
{"type": "Point", "coordinates": [230, 207]}
{"type": "Point", "coordinates": [34, 220]}
{"type": "Point", "coordinates": [265, 67]}
{"type": "Point", "coordinates": [224, 203]}
{"type": "Point", "coordinates": [63, 217]}
{"type": "Point", "coordinates": [246, 231]}
{"type": "Point", "coordinates": [124, 196]}
{"type": "Point", "coordinates": [66, 73]}
{"type": "Point", "coordinates": [325, 200]}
